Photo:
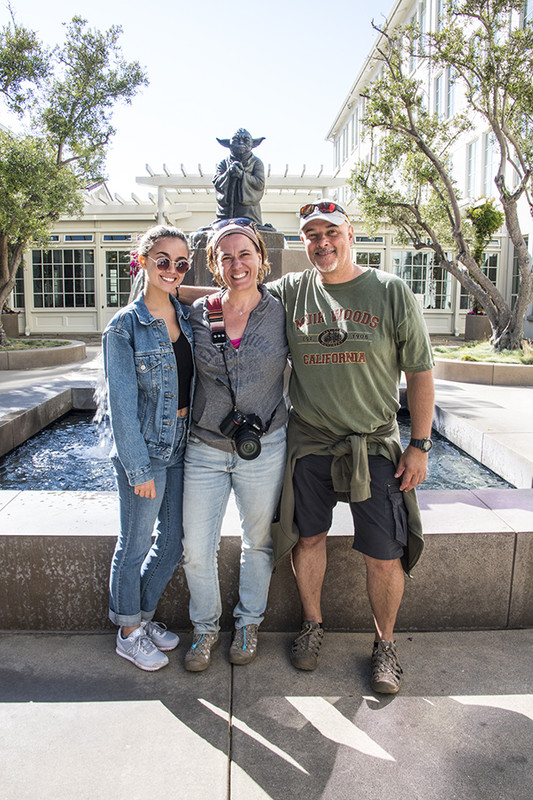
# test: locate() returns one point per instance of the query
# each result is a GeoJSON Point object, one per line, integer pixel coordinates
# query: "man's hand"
{"type": "Point", "coordinates": [412, 468]}
{"type": "Point", "coordinates": [146, 489]}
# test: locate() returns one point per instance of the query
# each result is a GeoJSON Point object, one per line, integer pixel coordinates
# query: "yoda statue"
{"type": "Point", "coordinates": [240, 179]}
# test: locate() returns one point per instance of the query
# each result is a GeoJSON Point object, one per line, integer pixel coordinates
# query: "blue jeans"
{"type": "Point", "coordinates": [210, 474]}
{"type": "Point", "coordinates": [142, 566]}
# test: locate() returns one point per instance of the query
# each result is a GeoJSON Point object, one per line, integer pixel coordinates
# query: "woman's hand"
{"type": "Point", "coordinates": [146, 489]}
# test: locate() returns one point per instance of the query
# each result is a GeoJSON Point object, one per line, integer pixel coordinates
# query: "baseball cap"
{"type": "Point", "coordinates": [323, 209]}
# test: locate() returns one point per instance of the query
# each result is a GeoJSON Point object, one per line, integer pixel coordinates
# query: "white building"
{"type": "Point", "coordinates": [445, 303]}
{"type": "Point", "coordinates": [76, 284]}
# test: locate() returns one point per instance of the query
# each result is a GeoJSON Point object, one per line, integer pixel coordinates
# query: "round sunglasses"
{"type": "Point", "coordinates": [164, 263]}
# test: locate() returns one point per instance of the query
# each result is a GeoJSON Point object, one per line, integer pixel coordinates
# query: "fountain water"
{"type": "Point", "coordinates": [72, 454]}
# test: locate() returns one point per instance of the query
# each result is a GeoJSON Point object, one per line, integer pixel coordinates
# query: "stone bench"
{"type": "Point", "coordinates": [476, 570]}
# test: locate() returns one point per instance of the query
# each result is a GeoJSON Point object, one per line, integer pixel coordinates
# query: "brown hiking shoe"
{"type": "Point", "coordinates": [386, 670]}
{"type": "Point", "coordinates": [198, 656]}
{"type": "Point", "coordinates": [306, 647]}
{"type": "Point", "coordinates": [244, 646]}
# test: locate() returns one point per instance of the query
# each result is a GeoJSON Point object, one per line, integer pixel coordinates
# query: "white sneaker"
{"type": "Point", "coordinates": [140, 650]}
{"type": "Point", "coordinates": [160, 636]}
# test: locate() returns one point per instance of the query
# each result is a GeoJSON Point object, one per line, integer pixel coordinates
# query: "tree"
{"type": "Point", "coordinates": [65, 97]}
{"type": "Point", "coordinates": [412, 186]}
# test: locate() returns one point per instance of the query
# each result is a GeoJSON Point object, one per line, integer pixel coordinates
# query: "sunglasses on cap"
{"type": "Point", "coordinates": [164, 263]}
{"type": "Point", "coordinates": [243, 222]}
{"type": "Point", "coordinates": [324, 208]}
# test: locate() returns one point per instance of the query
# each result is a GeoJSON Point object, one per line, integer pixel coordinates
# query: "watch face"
{"type": "Point", "coordinates": [422, 444]}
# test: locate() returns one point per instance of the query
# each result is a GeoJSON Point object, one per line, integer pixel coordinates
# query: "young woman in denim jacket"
{"type": "Point", "coordinates": [244, 374]}
{"type": "Point", "coordinates": [149, 371]}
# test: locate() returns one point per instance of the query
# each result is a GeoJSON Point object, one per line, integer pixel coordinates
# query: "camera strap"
{"type": "Point", "coordinates": [216, 319]}
{"type": "Point", "coordinates": [218, 333]}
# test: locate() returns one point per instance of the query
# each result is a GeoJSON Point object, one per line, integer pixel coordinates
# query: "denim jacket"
{"type": "Point", "coordinates": [142, 386]}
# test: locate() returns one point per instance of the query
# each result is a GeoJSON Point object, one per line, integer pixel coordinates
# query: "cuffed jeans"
{"type": "Point", "coordinates": [142, 566]}
{"type": "Point", "coordinates": [210, 474]}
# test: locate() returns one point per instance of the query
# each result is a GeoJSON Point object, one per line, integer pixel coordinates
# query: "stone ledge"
{"type": "Point", "coordinates": [486, 372]}
{"type": "Point", "coordinates": [56, 550]}
{"type": "Point", "coordinates": [20, 424]}
{"type": "Point", "coordinates": [43, 356]}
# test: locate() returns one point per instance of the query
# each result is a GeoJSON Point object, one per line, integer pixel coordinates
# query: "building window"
{"type": "Point", "coordinates": [63, 278]}
{"type": "Point", "coordinates": [422, 16]}
{"type": "Point", "coordinates": [78, 237]}
{"type": "Point", "coordinates": [337, 153]}
{"type": "Point", "coordinates": [424, 277]}
{"type": "Point", "coordinates": [17, 296]}
{"type": "Point", "coordinates": [472, 173]}
{"type": "Point", "coordinates": [489, 165]}
{"type": "Point", "coordinates": [344, 144]}
{"type": "Point", "coordinates": [364, 259]}
{"type": "Point", "coordinates": [528, 12]}
{"type": "Point", "coordinates": [439, 14]}
{"type": "Point", "coordinates": [490, 268]}
{"type": "Point", "coordinates": [369, 238]}
{"type": "Point", "coordinates": [118, 279]}
{"type": "Point", "coordinates": [450, 92]}
{"type": "Point", "coordinates": [439, 96]}
{"type": "Point", "coordinates": [116, 237]}
{"type": "Point", "coordinates": [53, 238]}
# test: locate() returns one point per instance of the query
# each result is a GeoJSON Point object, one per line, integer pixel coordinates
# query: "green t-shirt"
{"type": "Point", "coordinates": [348, 343]}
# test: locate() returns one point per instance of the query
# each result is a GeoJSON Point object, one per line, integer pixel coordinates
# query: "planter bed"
{"type": "Point", "coordinates": [487, 372]}
{"type": "Point", "coordinates": [43, 356]}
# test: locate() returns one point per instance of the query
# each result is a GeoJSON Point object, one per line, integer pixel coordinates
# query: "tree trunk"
{"type": "Point", "coordinates": [4, 342]}
{"type": "Point", "coordinates": [8, 270]}
{"type": "Point", "coordinates": [509, 338]}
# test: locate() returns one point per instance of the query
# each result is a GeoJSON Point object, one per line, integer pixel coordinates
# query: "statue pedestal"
{"type": "Point", "coordinates": [201, 276]}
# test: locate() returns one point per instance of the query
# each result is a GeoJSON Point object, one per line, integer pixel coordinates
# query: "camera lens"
{"type": "Point", "coordinates": [247, 443]}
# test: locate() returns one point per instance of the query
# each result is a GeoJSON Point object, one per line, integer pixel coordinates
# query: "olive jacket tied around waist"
{"type": "Point", "coordinates": [351, 480]}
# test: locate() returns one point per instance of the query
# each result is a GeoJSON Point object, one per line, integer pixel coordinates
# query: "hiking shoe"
{"type": "Point", "coordinates": [140, 650]}
{"type": "Point", "coordinates": [160, 636]}
{"type": "Point", "coordinates": [306, 647]}
{"type": "Point", "coordinates": [386, 670]}
{"type": "Point", "coordinates": [244, 646]}
{"type": "Point", "coordinates": [198, 656]}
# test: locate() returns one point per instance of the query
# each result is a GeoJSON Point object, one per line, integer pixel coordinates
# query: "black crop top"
{"type": "Point", "coordinates": [182, 351]}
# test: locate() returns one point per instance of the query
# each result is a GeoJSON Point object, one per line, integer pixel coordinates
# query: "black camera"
{"type": "Point", "coordinates": [245, 430]}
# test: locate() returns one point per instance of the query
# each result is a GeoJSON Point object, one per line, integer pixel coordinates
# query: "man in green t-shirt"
{"type": "Point", "coordinates": [352, 331]}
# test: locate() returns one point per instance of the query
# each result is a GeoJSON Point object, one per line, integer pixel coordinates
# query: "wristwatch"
{"type": "Point", "coordinates": [422, 444]}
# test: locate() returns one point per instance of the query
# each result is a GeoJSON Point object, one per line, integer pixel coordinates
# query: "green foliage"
{"type": "Point", "coordinates": [34, 190]}
{"type": "Point", "coordinates": [90, 78]}
{"type": "Point", "coordinates": [65, 97]}
{"type": "Point", "coordinates": [24, 63]}
{"type": "Point", "coordinates": [485, 352]}
{"type": "Point", "coordinates": [31, 344]}
{"type": "Point", "coordinates": [486, 220]}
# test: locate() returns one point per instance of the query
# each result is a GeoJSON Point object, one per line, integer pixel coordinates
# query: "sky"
{"type": "Point", "coordinates": [279, 68]}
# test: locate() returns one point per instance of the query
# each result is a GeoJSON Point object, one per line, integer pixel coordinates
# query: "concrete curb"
{"type": "Point", "coordinates": [56, 548]}
{"type": "Point", "coordinates": [484, 372]}
{"type": "Point", "coordinates": [43, 357]}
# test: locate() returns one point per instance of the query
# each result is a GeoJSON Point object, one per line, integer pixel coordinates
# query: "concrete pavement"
{"type": "Point", "coordinates": [77, 721]}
